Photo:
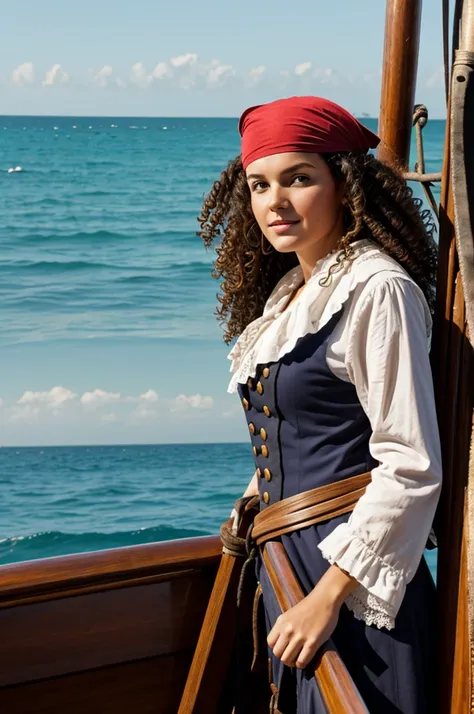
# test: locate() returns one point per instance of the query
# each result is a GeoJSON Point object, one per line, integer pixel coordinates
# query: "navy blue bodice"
{"type": "Point", "coordinates": [307, 426]}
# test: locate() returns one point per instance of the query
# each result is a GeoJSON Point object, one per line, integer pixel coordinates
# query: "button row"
{"type": "Point", "coordinates": [259, 387]}
{"type": "Point", "coordinates": [267, 474]}
{"type": "Point", "coordinates": [266, 410]}
{"type": "Point", "coordinates": [262, 450]}
{"type": "Point", "coordinates": [262, 432]}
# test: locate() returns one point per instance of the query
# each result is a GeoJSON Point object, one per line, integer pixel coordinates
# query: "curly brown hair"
{"type": "Point", "coordinates": [378, 205]}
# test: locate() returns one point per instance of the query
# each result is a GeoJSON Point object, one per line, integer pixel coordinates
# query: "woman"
{"type": "Point", "coordinates": [329, 269]}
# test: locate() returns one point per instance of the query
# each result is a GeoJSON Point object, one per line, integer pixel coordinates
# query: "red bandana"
{"type": "Point", "coordinates": [304, 124]}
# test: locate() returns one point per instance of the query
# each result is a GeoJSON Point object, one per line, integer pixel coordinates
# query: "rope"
{"type": "Point", "coordinates": [232, 544]}
{"type": "Point", "coordinates": [238, 547]}
{"type": "Point", "coordinates": [420, 119]}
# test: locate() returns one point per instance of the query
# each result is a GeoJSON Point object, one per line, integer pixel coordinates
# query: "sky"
{"type": "Point", "coordinates": [199, 58]}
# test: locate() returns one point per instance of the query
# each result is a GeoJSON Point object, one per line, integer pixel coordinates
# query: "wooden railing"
{"type": "Point", "coordinates": [334, 681]}
{"type": "Point", "coordinates": [81, 573]}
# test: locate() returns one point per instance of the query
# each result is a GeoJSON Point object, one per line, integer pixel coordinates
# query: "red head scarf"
{"type": "Point", "coordinates": [303, 124]}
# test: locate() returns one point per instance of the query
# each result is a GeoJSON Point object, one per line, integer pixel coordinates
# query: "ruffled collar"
{"type": "Point", "coordinates": [274, 334]}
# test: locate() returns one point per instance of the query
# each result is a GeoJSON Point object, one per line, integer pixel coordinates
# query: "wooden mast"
{"type": "Point", "coordinates": [400, 64]}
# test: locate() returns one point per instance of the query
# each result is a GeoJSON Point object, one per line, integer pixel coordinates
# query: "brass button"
{"type": "Point", "coordinates": [259, 387]}
{"type": "Point", "coordinates": [264, 450]}
{"type": "Point", "coordinates": [268, 474]}
{"type": "Point", "coordinates": [252, 428]}
{"type": "Point", "coordinates": [266, 372]}
{"type": "Point", "coordinates": [266, 497]}
{"type": "Point", "coordinates": [259, 472]}
{"type": "Point", "coordinates": [263, 434]}
{"type": "Point", "coordinates": [245, 403]}
{"type": "Point", "coordinates": [250, 383]}
{"type": "Point", "coordinates": [255, 451]}
{"type": "Point", "coordinates": [266, 411]}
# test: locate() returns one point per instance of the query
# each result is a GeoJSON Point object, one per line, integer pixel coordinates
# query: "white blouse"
{"type": "Point", "coordinates": [380, 345]}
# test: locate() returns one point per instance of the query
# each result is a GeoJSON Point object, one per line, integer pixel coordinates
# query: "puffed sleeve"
{"type": "Point", "coordinates": [387, 361]}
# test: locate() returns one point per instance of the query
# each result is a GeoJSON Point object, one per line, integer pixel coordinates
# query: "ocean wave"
{"type": "Point", "coordinates": [102, 236]}
{"type": "Point", "coordinates": [51, 265]}
{"type": "Point", "coordinates": [53, 543]}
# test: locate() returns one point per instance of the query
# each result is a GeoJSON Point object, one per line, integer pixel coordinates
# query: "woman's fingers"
{"type": "Point", "coordinates": [273, 636]}
{"type": "Point", "coordinates": [292, 652]}
{"type": "Point", "coordinates": [280, 645]}
{"type": "Point", "coordinates": [306, 655]}
{"type": "Point", "coordinates": [279, 628]}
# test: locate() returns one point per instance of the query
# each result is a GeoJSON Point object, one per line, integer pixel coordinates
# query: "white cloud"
{"type": "Point", "coordinates": [31, 404]}
{"type": "Point", "coordinates": [149, 396]}
{"type": "Point", "coordinates": [302, 68]}
{"type": "Point", "coordinates": [184, 69]}
{"type": "Point", "coordinates": [161, 71]}
{"type": "Point", "coordinates": [23, 74]}
{"type": "Point", "coordinates": [183, 60]}
{"type": "Point", "coordinates": [55, 75]}
{"type": "Point", "coordinates": [195, 401]}
{"type": "Point", "coordinates": [218, 73]}
{"type": "Point", "coordinates": [326, 75]}
{"type": "Point", "coordinates": [98, 397]}
{"type": "Point", "coordinates": [139, 76]}
{"type": "Point", "coordinates": [101, 78]}
{"type": "Point", "coordinates": [56, 397]}
{"type": "Point", "coordinates": [255, 74]}
{"type": "Point", "coordinates": [97, 407]}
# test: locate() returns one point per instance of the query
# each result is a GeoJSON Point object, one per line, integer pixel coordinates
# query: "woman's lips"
{"type": "Point", "coordinates": [283, 227]}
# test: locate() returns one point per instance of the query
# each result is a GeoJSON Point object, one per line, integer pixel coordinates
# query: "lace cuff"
{"type": "Point", "coordinates": [378, 598]}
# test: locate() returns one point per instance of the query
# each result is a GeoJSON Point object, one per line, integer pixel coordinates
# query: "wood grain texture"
{"type": "Point", "coordinates": [90, 572]}
{"type": "Point", "coordinates": [453, 371]}
{"type": "Point", "coordinates": [103, 632]}
{"type": "Point", "coordinates": [151, 686]}
{"type": "Point", "coordinates": [93, 630]}
{"type": "Point", "coordinates": [334, 681]}
{"type": "Point", "coordinates": [400, 62]}
{"type": "Point", "coordinates": [212, 680]}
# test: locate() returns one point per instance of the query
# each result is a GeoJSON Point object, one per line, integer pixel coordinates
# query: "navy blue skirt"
{"type": "Point", "coordinates": [392, 669]}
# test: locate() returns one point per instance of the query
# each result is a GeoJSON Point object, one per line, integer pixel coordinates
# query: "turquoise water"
{"type": "Point", "coordinates": [98, 245]}
{"type": "Point", "coordinates": [61, 500]}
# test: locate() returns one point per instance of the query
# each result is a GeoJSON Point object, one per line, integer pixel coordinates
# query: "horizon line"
{"type": "Point", "coordinates": [123, 445]}
{"type": "Point", "coordinates": [361, 115]}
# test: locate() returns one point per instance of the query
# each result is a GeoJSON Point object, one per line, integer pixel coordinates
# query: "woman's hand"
{"type": "Point", "coordinates": [299, 633]}
{"type": "Point", "coordinates": [251, 490]}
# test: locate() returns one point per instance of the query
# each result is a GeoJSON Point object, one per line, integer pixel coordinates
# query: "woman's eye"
{"type": "Point", "coordinates": [258, 185]}
{"type": "Point", "coordinates": [300, 179]}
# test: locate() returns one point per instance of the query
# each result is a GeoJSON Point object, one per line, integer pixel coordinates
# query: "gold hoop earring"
{"type": "Point", "coordinates": [262, 247]}
{"type": "Point", "coordinates": [250, 234]}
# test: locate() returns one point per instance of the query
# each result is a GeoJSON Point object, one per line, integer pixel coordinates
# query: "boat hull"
{"type": "Point", "coordinates": [112, 631]}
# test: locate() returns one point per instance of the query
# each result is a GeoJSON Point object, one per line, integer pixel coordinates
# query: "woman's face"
{"type": "Point", "coordinates": [296, 204]}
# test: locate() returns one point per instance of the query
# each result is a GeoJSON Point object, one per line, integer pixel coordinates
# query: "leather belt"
{"type": "Point", "coordinates": [308, 508]}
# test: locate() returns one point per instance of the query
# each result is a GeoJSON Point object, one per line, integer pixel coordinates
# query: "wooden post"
{"type": "Point", "coordinates": [400, 64]}
{"type": "Point", "coordinates": [453, 368]}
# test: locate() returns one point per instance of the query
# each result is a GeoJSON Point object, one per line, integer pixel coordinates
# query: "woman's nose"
{"type": "Point", "coordinates": [278, 199]}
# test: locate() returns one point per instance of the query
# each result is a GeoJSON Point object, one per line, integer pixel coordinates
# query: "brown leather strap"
{"type": "Point", "coordinates": [308, 508]}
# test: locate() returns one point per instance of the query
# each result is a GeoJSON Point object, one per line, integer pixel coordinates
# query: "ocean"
{"type": "Point", "coordinates": [98, 247]}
